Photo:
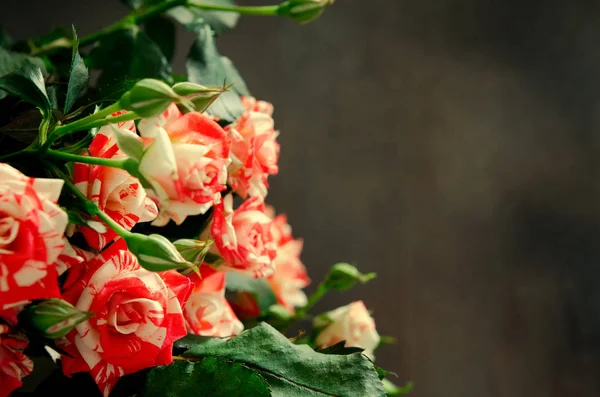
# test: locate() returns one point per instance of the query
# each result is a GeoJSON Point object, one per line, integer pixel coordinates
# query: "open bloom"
{"type": "Point", "coordinates": [137, 316]}
{"type": "Point", "coordinates": [207, 312]}
{"type": "Point", "coordinates": [31, 237]}
{"type": "Point", "coordinates": [290, 275]}
{"type": "Point", "coordinates": [185, 162]}
{"type": "Point", "coordinates": [351, 323]}
{"type": "Point", "coordinates": [254, 149]}
{"type": "Point", "coordinates": [113, 190]}
{"type": "Point", "coordinates": [244, 237]}
{"type": "Point", "coordinates": [14, 365]}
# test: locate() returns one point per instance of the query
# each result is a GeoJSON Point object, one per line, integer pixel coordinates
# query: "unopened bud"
{"type": "Point", "coordinates": [148, 97]}
{"type": "Point", "coordinates": [201, 97]}
{"type": "Point", "coordinates": [280, 312]}
{"type": "Point", "coordinates": [54, 318]}
{"type": "Point", "coordinates": [193, 251]}
{"type": "Point", "coordinates": [303, 11]}
{"type": "Point", "coordinates": [155, 252]}
{"type": "Point", "coordinates": [343, 276]}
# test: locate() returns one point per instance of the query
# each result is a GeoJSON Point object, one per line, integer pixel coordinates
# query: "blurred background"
{"type": "Point", "coordinates": [452, 147]}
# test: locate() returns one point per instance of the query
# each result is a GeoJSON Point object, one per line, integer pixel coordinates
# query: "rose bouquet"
{"type": "Point", "coordinates": [137, 253]}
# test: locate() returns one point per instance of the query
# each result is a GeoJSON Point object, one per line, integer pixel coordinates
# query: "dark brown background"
{"type": "Point", "coordinates": [451, 146]}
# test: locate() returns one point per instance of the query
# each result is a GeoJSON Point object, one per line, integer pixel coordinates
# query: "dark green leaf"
{"type": "Point", "coordinates": [207, 67]}
{"type": "Point", "coordinates": [210, 377]}
{"type": "Point", "coordinates": [295, 370]}
{"type": "Point", "coordinates": [161, 30]}
{"type": "Point", "coordinates": [5, 40]}
{"type": "Point", "coordinates": [28, 85]}
{"type": "Point", "coordinates": [128, 54]}
{"type": "Point", "coordinates": [78, 76]}
{"type": "Point", "coordinates": [259, 288]}
{"type": "Point", "coordinates": [341, 348]}
{"type": "Point", "coordinates": [219, 21]}
{"type": "Point", "coordinates": [13, 61]}
{"type": "Point", "coordinates": [187, 342]}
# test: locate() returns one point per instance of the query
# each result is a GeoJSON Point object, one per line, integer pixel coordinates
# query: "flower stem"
{"type": "Point", "coordinates": [79, 125]}
{"type": "Point", "coordinates": [312, 300]}
{"type": "Point", "coordinates": [146, 13]}
{"type": "Point", "coordinates": [115, 163]}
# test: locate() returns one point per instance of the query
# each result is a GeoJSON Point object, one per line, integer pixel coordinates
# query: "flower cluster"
{"type": "Point", "coordinates": [126, 228]}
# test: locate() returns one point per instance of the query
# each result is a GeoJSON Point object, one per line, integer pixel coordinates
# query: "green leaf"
{"type": "Point", "coordinates": [211, 377]}
{"type": "Point", "coordinates": [187, 342]}
{"type": "Point", "coordinates": [162, 31]}
{"type": "Point", "coordinates": [341, 348]}
{"type": "Point", "coordinates": [5, 40]}
{"type": "Point", "coordinates": [219, 21]}
{"type": "Point", "coordinates": [78, 75]}
{"type": "Point", "coordinates": [207, 67]}
{"type": "Point", "coordinates": [259, 288]}
{"type": "Point", "coordinates": [130, 54]}
{"type": "Point", "coordinates": [13, 61]}
{"type": "Point", "coordinates": [393, 390]}
{"type": "Point", "coordinates": [27, 84]}
{"type": "Point", "coordinates": [295, 370]}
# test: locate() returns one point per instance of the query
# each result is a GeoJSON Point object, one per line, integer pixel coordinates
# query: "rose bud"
{"type": "Point", "coordinates": [54, 318]}
{"type": "Point", "coordinates": [202, 97]}
{"type": "Point", "coordinates": [343, 276]}
{"type": "Point", "coordinates": [303, 11]}
{"type": "Point", "coordinates": [155, 252]}
{"type": "Point", "coordinates": [148, 97]}
{"type": "Point", "coordinates": [351, 323]}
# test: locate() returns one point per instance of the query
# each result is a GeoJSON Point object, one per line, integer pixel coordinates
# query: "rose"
{"type": "Point", "coordinates": [185, 162]}
{"type": "Point", "coordinates": [31, 237]}
{"type": "Point", "coordinates": [207, 312]}
{"type": "Point", "coordinates": [351, 323]}
{"type": "Point", "coordinates": [254, 149]}
{"type": "Point", "coordinates": [244, 237]}
{"type": "Point", "coordinates": [290, 274]}
{"type": "Point", "coordinates": [14, 365]}
{"type": "Point", "coordinates": [113, 190]}
{"type": "Point", "coordinates": [137, 315]}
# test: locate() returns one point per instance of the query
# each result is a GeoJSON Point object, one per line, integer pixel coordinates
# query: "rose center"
{"type": "Point", "coordinates": [132, 315]}
{"type": "Point", "coordinates": [9, 229]}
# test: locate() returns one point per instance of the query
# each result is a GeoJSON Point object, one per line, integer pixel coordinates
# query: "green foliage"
{"type": "Point", "coordinates": [162, 31]}
{"type": "Point", "coordinates": [341, 348]}
{"type": "Point", "coordinates": [259, 288]}
{"type": "Point", "coordinates": [5, 40]}
{"type": "Point", "coordinates": [207, 67]}
{"type": "Point", "coordinates": [294, 370]}
{"type": "Point", "coordinates": [128, 54]}
{"type": "Point", "coordinates": [219, 21]}
{"type": "Point", "coordinates": [28, 85]}
{"type": "Point", "coordinates": [210, 377]}
{"type": "Point", "coordinates": [78, 76]}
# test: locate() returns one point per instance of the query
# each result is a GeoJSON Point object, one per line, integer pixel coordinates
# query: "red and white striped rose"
{"type": "Point", "coordinates": [351, 323]}
{"type": "Point", "coordinates": [254, 149]}
{"type": "Point", "coordinates": [185, 161]}
{"type": "Point", "coordinates": [207, 312]}
{"type": "Point", "coordinates": [113, 190]}
{"type": "Point", "coordinates": [244, 237]}
{"type": "Point", "coordinates": [137, 316]}
{"type": "Point", "coordinates": [14, 365]}
{"type": "Point", "coordinates": [31, 237]}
